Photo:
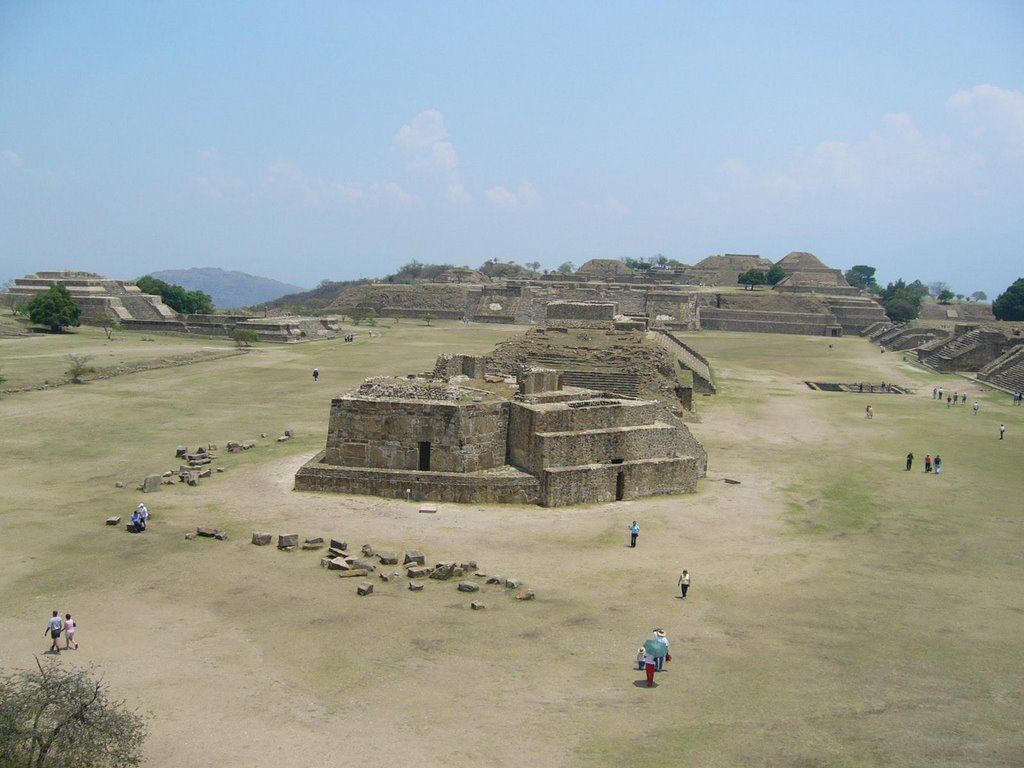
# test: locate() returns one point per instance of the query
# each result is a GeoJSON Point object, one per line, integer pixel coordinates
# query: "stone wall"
{"type": "Point", "coordinates": [500, 487]}
{"type": "Point", "coordinates": [712, 319]}
{"type": "Point", "coordinates": [600, 484]}
{"type": "Point", "coordinates": [399, 434]}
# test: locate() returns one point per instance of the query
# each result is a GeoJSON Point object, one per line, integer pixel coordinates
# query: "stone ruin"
{"type": "Point", "coordinates": [483, 441]}
{"type": "Point", "coordinates": [101, 298]}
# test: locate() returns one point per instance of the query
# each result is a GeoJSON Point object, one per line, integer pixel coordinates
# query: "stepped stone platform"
{"type": "Point", "coordinates": [1006, 372]}
{"type": "Point", "coordinates": [540, 442]}
{"type": "Point", "coordinates": [101, 298]}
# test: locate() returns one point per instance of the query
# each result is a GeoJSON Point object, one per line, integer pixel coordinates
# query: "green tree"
{"type": "Point", "coordinates": [55, 309]}
{"type": "Point", "coordinates": [79, 367]}
{"type": "Point", "coordinates": [861, 276]}
{"type": "Point", "coordinates": [979, 296]}
{"type": "Point", "coordinates": [752, 277]}
{"type": "Point", "coordinates": [429, 318]}
{"type": "Point", "coordinates": [640, 264]}
{"type": "Point", "coordinates": [245, 337]}
{"type": "Point", "coordinates": [1009, 305]}
{"type": "Point", "coordinates": [565, 268]}
{"type": "Point", "coordinates": [945, 296]}
{"type": "Point", "coordinates": [65, 716]}
{"type": "Point", "coordinates": [176, 297]}
{"type": "Point", "coordinates": [900, 310]}
{"type": "Point", "coordinates": [902, 301]}
{"type": "Point", "coordinates": [774, 275]}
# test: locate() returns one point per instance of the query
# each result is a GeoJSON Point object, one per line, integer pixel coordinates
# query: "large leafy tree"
{"type": "Point", "coordinates": [1009, 305]}
{"type": "Point", "coordinates": [55, 309]}
{"type": "Point", "coordinates": [861, 276]}
{"type": "Point", "coordinates": [176, 297]}
{"type": "Point", "coordinates": [52, 716]}
{"type": "Point", "coordinates": [774, 275]}
{"type": "Point", "coordinates": [902, 301]}
{"type": "Point", "coordinates": [752, 277]}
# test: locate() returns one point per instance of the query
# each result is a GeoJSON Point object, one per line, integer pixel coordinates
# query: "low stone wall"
{"type": "Point", "coordinates": [712, 319]}
{"type": "Point", "coordinates": [565, 449]}
{"type": "Point", "coordinates": [597, 484]}
{"type": "Point", "coordinates": [478, 488]}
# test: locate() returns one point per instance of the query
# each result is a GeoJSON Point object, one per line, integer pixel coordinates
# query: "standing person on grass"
{"type": "Point", "coordinates": [54, 626]}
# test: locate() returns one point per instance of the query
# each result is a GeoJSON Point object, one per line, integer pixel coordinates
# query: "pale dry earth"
{"type": "Point", "coordinates": [811, 637]}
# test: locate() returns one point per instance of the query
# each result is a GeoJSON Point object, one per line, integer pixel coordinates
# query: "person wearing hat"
{"type": "Point", "coordinates": [649, 667]}
{"type": "Point", "coordinates": [659, 635]}
{"type": "Point", "coordinates": [144, 514]}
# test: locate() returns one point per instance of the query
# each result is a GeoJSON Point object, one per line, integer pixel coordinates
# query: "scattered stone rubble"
{"type": "Point", "coordinates": [342, 563]}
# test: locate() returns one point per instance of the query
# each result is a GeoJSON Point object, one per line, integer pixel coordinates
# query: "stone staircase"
{"type": "Point", "coordinates": [855, 313]}
{"type": "Point", "coordinates": [688, 358]}
{"type": "Point", "coordinates": [1007, 371]}
{"type": "Point", "coordinates": [944, 356]}
{"type": "Point", "coordinates": [624, 384]}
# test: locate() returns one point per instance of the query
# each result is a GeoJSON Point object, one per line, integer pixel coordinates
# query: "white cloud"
{"type": "Point", "coordinates": [524, 197]}
{"type": "Point", "coordinates": [12, 158]}
{"type": "Point", "coordinates": [424, 150]}
{"type": "Point", "coordinates": [896, 173]}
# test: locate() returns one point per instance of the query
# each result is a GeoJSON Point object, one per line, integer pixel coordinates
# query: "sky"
{"type": "Point", "coordinates": [335, 140]}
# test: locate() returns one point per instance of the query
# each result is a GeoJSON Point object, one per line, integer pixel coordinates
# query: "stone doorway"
{"type": "Point", "coordinates": [425, 456]}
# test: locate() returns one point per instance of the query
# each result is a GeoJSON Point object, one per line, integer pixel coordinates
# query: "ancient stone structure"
{"type": "Point", "coordinates": [101, 298]}
{"type": "Point", "coordinates": [581, 314]}
{"type": "Point", "coordinates": [805, 273]}
{"type": "Point", "coordinates": [813, 299]}
{"type": "Point", "coordinates": [542, 443]}
{"type": "Point", "coordinates": [97, 296]}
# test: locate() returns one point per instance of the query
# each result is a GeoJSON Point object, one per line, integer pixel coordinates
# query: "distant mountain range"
{"type": "Point", "coordinates": [229, 290]}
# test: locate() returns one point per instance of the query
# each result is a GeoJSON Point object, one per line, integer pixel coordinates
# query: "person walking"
{"type": "Point", "coordinates": [650, 666]}
{"type": "Point", "coordinates": [54, 626]}
{"type": "Point", "coordinates": [976, 407]}
{"type": "Point", "coordinates": [927, 462]}
{"type": "Point", "coordinates": [69, 632]}
{"type": "Point", "coordinates": [684, 583]}
{"type": "Point", "coordinates": [937, 463]}
{"type": "Point", "coordinates": [910, 461]}
{"type": "Point", "coordinates": [316, 374]}
{"type": "Point", "coordinates": [634, 531]}
{"type": "Point", "coordinates": [659, 661]}
{"type": "Point", "coordinates": [868, 413]}
{"type": "Point", "coordinates": [1002, 431]}
{"type": "Point", "coordinates": [144, 515]}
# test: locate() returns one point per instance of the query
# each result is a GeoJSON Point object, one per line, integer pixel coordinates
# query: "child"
{"type": "Point", "coordinates": [640, 653]}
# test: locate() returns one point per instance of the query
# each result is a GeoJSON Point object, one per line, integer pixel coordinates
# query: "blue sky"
{"type": "Point", "coordinates": [334, 140]}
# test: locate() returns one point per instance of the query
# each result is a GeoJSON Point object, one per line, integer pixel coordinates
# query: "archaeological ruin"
{"type": "Point", "coordinates": [812, 299]}
{"type": "Point", "coordinates": [101, 298]}
{"type": "Point", "coordinates": [465, 435]}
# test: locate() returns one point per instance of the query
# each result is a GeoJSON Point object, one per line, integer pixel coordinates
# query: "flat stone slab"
{"type": "Point", "coordinates": [387, 558]}
{"type": "Point", "coordinates": [115, 520]}
{"type": "Point", "coordinates": [429, 509]}
{"type": "Point", "coordinates": [261, 539]}
{"type": "Point", "coordinates": [476, 605]}
{"type": "Point", "coordinates": [353, 572]}
{"type": "Point", "coordinates": [287, 540]}
{"type": "Point", "coordinates": [418, 571]}
{"type": "Point", "coordinates": [415, 586]}
{"type": "Point", "coordinates": [468, 586]}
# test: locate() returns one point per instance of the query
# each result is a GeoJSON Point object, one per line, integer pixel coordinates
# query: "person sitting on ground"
{"type": "Point", "coordinates": [137, 525]}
